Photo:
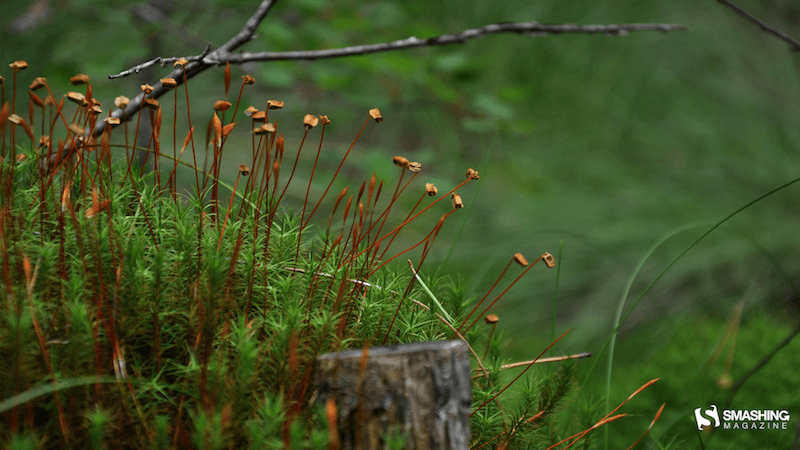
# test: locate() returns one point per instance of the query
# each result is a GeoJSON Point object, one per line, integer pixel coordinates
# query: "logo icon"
{"type": "Point", "coordinates": [702, 417]}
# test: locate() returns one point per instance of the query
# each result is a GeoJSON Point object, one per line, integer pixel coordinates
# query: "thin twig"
{"type": "Point", "coordinates": [162, 61]}
{"type": "Point", "coordinates": [194, 67]}
{"type": "Point", "coordinates": [531, 363]}
{"type": "Point", "coordinates": [546, 360]}
{"type": "Point", "coordinates": [539, 361]}
{"type": "Point", "coordinates": [529, 28]}
{"type": "Point", "coordinates": [763, 362]}
{"type": "Point", "coordinates": [781, 35]}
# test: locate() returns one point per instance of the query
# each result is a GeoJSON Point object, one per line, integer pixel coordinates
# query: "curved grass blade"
{"type": "Point", "coordinates": [664, 238]}
{"type": "Point", "coordinates": [650, 286]}
{"type": "Point", "coordinates": [49, 388]}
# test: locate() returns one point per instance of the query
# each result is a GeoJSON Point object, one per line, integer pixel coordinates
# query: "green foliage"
{"type": "Point", "coordinates": [608, 151]}
{"type": "Point", "coordinates": [611, 141]}
{"type": "Point", "coordinates": [692, 377]}
{"type": "Point", "coordinates": [98, 421]}
{"type": "Point", "coordinates": [138, 310]}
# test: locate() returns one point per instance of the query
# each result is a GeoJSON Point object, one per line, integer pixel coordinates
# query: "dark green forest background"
{"type": "Point", "coordinates": [603, 143]}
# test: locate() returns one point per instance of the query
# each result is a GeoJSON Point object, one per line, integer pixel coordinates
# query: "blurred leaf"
{"type": "Point", "coordinates": [310, 4]}
{"type": "Point", "coordinates": [277, 74]}
{"type": "Point", "coordinates": [478, 125]}
{"type": "Point", "coordinates": [453, 61]}
{"type": "Point", "coordinates": [397, 64]}
{"type": "Point", "coordinates": [515, 93]}
{"type": "Point", "coordinates": [487, 104]}
{"type": "Point", "coordinates": [386, 15]}
{"type": "Point", "coordinates": [444, 91]}
{"type": "Point", "coordinates": [354, 26]}
{"type": "Point", "coordinates": [279, 36]}
{"type": "Point", "coordinates": [332, 76]}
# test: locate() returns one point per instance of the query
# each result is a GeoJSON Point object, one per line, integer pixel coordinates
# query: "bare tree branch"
{"type": "Point", "coordinates": [529, 28]}
{"type": "Point", "coordinates": [225, 53]}
{"type": "Point", "coordinates": [781, 35]}
{"type": "Point", "coordinates": [159, 60]}
{"type": "Point", "coordinates": [193, 67]}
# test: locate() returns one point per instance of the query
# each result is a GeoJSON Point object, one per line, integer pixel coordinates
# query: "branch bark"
{"type": "Point", "coordinates": [781, 35]}
{"type": "Point", "coordinates": [224, 54]}
{"type": "Point", "coordinates": [529, 28]}
{"type": "Point", "coordinates": [194, 67]}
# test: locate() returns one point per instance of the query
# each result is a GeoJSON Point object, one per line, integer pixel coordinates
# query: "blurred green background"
{"type": "Point", "coordinates": [601, 143]}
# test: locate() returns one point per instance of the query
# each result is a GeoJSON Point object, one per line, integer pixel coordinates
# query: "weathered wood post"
{"type": "Point", "coordinates": [420, 389]}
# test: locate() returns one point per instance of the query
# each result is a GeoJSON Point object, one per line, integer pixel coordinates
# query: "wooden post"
{"type": "Point", "coordinates": [421, 390]}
